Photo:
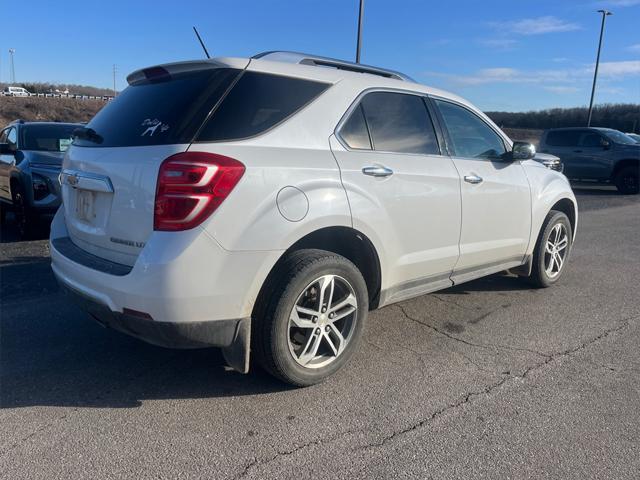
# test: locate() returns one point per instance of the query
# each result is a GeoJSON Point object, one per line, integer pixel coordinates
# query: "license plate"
{"type": "Point", "coordinates": [84, 205]}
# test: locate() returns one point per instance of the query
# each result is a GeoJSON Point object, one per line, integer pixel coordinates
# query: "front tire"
{"type": "Point", "coordinates": [312, 319]}
{"type": "Point", "coordinates": [627, 181]}
{"type": "Point", "coordinates": [25, 219]}
{"type": "Point", "coordinates": [552, 250]}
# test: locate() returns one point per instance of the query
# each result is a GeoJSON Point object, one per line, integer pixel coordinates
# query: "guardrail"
{"type": "Point", "coordinates": [106, 98]}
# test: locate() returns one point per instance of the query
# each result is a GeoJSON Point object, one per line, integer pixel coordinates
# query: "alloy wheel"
{"type": "Point", "coordinates": [322, 321]}
{"type": "Point", "coordinates": [556, 248]}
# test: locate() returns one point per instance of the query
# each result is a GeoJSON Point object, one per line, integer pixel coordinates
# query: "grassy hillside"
{"type": "Point", "coordinates": [47, 109]}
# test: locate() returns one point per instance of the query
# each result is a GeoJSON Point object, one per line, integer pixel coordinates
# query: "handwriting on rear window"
{"type": "Point", "coordinates": [153, 126]}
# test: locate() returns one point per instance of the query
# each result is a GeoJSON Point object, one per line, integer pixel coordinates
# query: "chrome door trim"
{"type": "Point", "coordinates": [377, 171]}
{"type": "Point", "coordinates": [474, 179]}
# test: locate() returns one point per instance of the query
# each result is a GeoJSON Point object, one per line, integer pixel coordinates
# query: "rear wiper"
{"type": "Point", "coordinates": [87, 134]}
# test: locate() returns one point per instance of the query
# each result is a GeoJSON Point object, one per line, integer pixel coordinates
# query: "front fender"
{"type": "Point", "coordinates": [548, 187]}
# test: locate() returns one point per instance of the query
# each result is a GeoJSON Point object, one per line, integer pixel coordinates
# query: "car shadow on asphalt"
{"type": "Point", "coordinates": [9, 230]}
{"type": "Point", "coordinates": [53, 354]}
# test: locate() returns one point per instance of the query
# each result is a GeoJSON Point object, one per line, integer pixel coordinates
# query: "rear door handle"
{"type": "Point", "coordinates": [377, 171]}
{"type": "Point", "coordinates": [473, 179]}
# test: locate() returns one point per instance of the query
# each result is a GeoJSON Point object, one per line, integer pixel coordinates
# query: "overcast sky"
{"type": "Point", "coordinates": [501, 54]}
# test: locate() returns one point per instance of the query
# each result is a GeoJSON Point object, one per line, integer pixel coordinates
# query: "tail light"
{"type": "Point", "coordinates": [191, 186]}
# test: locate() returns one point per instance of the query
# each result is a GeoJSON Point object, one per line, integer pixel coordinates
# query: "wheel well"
{"type": "Point", "coordinates": [569, 209]}
{"type": "Point", "coordinates": [629, 162]}
{"type": "Point", "coordinates": [352, 245]}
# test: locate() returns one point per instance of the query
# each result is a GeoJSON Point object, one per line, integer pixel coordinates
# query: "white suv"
{"type": "Point", "coordinates": [265, 205]}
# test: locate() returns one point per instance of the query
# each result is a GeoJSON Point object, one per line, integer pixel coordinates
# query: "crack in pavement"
{"type": "Point", "coordinates": [488, 389]}
{"type": "Point", "coordinates": [256, 462]}
{"type": "Point", "coordinates": [467, 398]}
{"type": "Point", "coordinates": [42, 428]}
{"type": "Point", "coordinates": [466, 342]}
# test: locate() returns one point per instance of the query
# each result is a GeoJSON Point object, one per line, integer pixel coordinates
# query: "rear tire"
{"type": "Point", "coordinates": [552, 250]}
{"type": "Point", "coordinates": [626, 180]}
{"type": "Point", "coordinates": [294, 339]}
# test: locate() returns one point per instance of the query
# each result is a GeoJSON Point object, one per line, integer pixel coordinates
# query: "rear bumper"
{"type": "Point", "coordinates": [184, 290]}
{"type": "Point", "coordinates": [213, 333]}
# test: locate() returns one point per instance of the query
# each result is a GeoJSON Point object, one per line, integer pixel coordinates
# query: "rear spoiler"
{"type": "Point", "coordinates": [164, 72]}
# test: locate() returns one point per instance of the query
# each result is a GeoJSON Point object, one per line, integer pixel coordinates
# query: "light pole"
{"type": "Point", "coordinates": [359, 31]}
{"type": "Point", "coordinates": [13, 68]}
{"type": "Point", "coordinates": [115, 69]}
{"type": "Point", "coordinates": [605, 14]}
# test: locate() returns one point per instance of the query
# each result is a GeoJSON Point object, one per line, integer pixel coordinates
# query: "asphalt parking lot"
{"type": "Point", "coordinates": [490, 379]}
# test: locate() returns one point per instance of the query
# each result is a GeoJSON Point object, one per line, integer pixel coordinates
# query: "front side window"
{"type": "Point", "coordinates": [591, 139]}
{"type": "Point", "coordinates": [470, 135]}
{"type": "Point", "coordinates": [399, 123]}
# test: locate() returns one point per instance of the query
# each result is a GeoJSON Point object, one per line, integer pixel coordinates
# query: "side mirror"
{"type": "Point", "coordinates": [6, 149]}
{"type": "Point", "coordinates": [522, 151]}
{"type": "Point", "coordinates": [606, 145]}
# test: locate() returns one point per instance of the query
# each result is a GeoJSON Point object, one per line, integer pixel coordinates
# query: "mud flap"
{"type": "Point", "coordinates": [237, 354]}
{"type": "Point", "coordinates": [523, 270]}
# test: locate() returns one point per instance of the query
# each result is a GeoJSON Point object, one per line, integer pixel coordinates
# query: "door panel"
{"type": "Point", "coordinates": [415, 212]}
{"type": "Point", "coordinates": [496, 213]}
{"type": "Point", "coordinates": [496, 198]}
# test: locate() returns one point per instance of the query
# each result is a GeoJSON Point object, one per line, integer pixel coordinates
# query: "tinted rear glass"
{"type": "Point", "coordinates": [256, 103]}
{"type": "Point", "coordinates": [354, 131]}
{"type": "Point", "coordinates": [47, 138]}
{"type": "Point", "coordinates": [165, 111]}
{"type": "Point", "coordinates": [399, 123]}
{"type": "Point", "coordinates": [563, 138]}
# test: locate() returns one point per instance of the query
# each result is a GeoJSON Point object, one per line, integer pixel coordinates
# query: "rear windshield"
{"type": "Point", "coordinates": [47, 138]}
{"type": "Point", "coordinates": [168, 110]}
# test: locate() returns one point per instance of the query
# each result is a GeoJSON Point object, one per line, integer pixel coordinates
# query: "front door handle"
{"type": "Point", "coordinates": [377, 171]}
{"type": "Point", "coordinates": [473, 179]}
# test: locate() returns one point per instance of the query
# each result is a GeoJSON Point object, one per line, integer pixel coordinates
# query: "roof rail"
{"type": "Point", "coordinates": [315, 60]}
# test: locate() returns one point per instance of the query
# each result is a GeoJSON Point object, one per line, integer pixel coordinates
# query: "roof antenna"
{"type": "Point", "coordinates": [360, 12]}
{"type": "Point", "coordinates": [201, 43]}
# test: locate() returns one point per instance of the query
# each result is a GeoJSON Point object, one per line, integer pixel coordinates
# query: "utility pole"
{"type": "Point", "coordinates": [13, 68]}
{"type": "Point", "coordinates": [115, 69]}
{"type": "Point", "coordinates": [359, 31]}
{"type": "Point", "coordinates": [605, 14]}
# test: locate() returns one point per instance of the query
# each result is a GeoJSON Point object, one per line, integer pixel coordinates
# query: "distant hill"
{"type": "Point", "coordinates": [47, 109]}
{"type": "Point", "coordinates": [46, 87]}
{"type": "Point", "coordinates": [623, 117]}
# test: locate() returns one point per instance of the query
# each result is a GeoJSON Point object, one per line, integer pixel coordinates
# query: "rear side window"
{"type": "Point", "coordinates": [258, 102]}
{"type": "Point", "coordinates": [354, 131]}
{"type": "Point", "coordinates": [47, 138]}
{"type": "Point", "coordinates": [166, 109]}
{"type": "Point", "coordinates": [399, 123]}
{"type": "Point", "coordinates": [563, 138]}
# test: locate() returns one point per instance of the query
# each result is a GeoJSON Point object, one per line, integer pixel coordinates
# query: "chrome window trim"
{"type": "Point", "coordinates": [357, 101]}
